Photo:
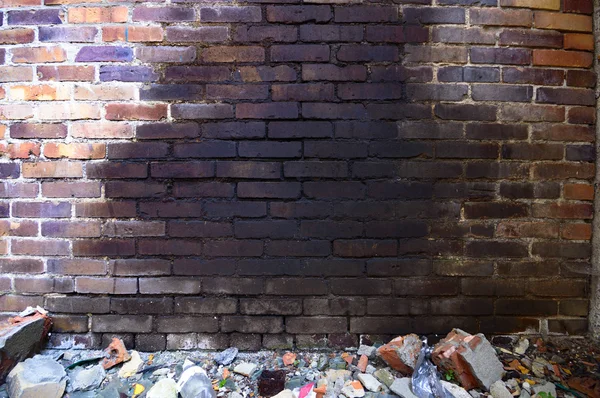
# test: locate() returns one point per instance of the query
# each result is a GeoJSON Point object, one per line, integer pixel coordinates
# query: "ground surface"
{"type": "Point", "coordinates": [571, 364]}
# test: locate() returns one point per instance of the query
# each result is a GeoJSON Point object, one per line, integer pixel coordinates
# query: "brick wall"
{"type": "Point", "coordinates": [278, 172]}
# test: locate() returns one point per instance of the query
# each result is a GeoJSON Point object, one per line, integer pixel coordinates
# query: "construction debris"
{"type": "Point", "coordinates": [543, 370]}
{"type": "Point", "coordinates": [22, 337]}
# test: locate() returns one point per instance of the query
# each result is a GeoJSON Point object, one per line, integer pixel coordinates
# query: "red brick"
{"type": "Point", "coordinates": [35, 55]}
{"type": "Point", "coordinates": [135, 112]}
{"type": "Point", "coordinates": [579, 41]}
{"type": "Point", "coordinates": [60, 169]}
{"type": "Point", "coordinates": [576, 231]}
{"type": "Point", "coordinates": [564, 22]}
{"type": "Point", "coordinates": [556, 210]}
{"type": "Point", "coordinates": [66, 73]}
{"type": "Point", "coordinates": [500, 17]}
{"type": "Point", "coordinates": [574, 59]}
{"type": "Point", "coordinates": [579, 191]}
{"type": "Point", "coordinates": [132, 33]}
{"type": "Point", "coordinates": [75, 151]}
{"type": "Point", "coordinates": [233, 54]}
{"type": "Point", "coordinates": [16, 36]}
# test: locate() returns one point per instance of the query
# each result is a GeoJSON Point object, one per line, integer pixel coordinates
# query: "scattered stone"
{"type": "Point", "coordinates": [271, 383]}
{"type": "Point", "coordinates": [20, 338]}
{"type": "Point", "coordinates": [384, 376]}
{"type": "Point", "coordinates": [132, 366]}
{"type": "Point", "coordinates": [472, 359]}
{"type": "Point", "coordinates": [499, 390]}
{"type": "Point", "coordinates": [116, 353]}
{"type": "Point", "coordinates": [285, 394]}
{"type": "Point", "coordinates": [521, 346]}
{"type": "Point", "coordinates": [353, 389]}
{"type": "Point", "coordinates": [539, 365]}
{"type": "Point", "coordinates": [294, 382]}
{"type": "Point", "coordinates": [402, 387]}
{"type": "Point", "coordinates": [547, 387]}
{"type": "Point", "coordinates": [39, 376]}
{"type": "Point", "coordinates": [86, 379]}
{"type": "Point", "coordinates": [245, 368]}
{"type": "Point", "coordinates": [367, 350]}
{"type": "Point", "coordinates": [226, 357]}
{"type": "Point", "coordinates": [362, 363]}
{"type": "Point", "coordinates": [369, 382]}
{"type": "Point", "coordinates": [401, 353]}
{"type": "Point", "coordinates": [455, 391]}
{"type": "Point", "coordinates": [164, 388]}
{"type": "Point", "coordinates": [370, 369]}
{"type": "Point", "coordinates": [194, 383]}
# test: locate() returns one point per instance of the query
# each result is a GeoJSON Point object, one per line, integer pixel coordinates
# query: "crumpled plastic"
{"type": "Point", "coordinates": [426, 378]}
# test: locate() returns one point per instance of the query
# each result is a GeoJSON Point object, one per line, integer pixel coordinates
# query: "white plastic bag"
{"type": "Point", "coordinates": [426, 379]}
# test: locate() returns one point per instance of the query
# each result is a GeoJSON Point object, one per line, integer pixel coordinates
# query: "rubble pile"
{"type": "Point", "coordinates": [459, 366]}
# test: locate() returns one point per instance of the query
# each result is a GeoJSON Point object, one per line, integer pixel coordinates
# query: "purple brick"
{"type": "Point", "coordinates": [163, 14]}
{"type": "Point", "coordinates": [127, 73]}
{"type": "Point", "coordinates": [81, 34]}
{"type": "Point", "coordinates": [35, 17]}
{"type": "Point", "coordinates": [9, 170]}
{"type": "Point", "coordinates": [210, 34]}
{"type": "Point", "coordinates": [166, 54]}
{"type": "Point", "coordinates": [104, 54]}
{"type": "Point", "coordinates": [230, 14]}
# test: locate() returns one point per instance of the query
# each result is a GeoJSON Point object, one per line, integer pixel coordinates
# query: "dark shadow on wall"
{"type": "Point", "coordinates": [312, 173]}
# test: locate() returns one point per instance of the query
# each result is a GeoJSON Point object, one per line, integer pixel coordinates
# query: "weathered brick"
{"type": "Point", "coordinates": [16, 36]}
{"type": "Point", "coordinates": [230, 14]}
{"type": "Point", "coordinates": [298, 14]}
{"type": "Point", "coordinates": [564, 22]}
{"type": "Point", "coordinates": [500, 17]}
{"type": "Point", "coordinates": [34, 55]}
{"type": "Point", "coordinates": [132, 33]}
{"type": "Point", "coordinates": [578, 41]}
{"type": "Point", "coordinates": [163, 14]}
{"type": "Point", "coordinates": [35, 17]}
{"type": "Point", "coordinates": [97, 14]}
{"type": "Point", "coordinates": [300, 53]}
{"type": "Point", "coordinates": [104, 54]}
{"type": "Point", "coordinates": [366, 14]}
{"type": "Point", "coordinates": [66, 73]}
{"type": "Point", "coordinates": [325, 33]}
{"type": "Point", "coordinates": [574, 59]}
{"type": "Point", "coordinates": [135, 112]}
{"type": "Point", "coordinates": [82, 34]}
{"type": "Point", "coordinates": [211, 34]}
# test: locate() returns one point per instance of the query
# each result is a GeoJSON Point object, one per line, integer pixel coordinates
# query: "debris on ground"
{"type": "Point", "coordinates": [459, 366]}
{"type": "Point", "coordinates": [39, 376]}
{"type": "Point", "coordinates": [21, 337]}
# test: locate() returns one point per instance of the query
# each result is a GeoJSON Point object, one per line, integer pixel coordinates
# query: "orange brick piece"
{"type": "Point", "coordinates": [579, 41]}
{"type": "Point", "coordinates": [562, 21]}
{"type": "Point", "coordinates": [536, 4]}
{"type": "Point", "coordinates": [459, 350]}
{"type": "Point", "coordinates": [132, 33]}
{"type": "Point", "coordinates": [97, 14]}
{"type": "Point", "coordinates": [36, 55]}
{"type": "Point", "coordinates": [401, 353]}
{"type": "Point", "coordinates": [575, 59]}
